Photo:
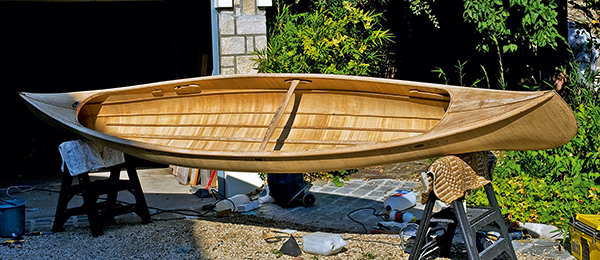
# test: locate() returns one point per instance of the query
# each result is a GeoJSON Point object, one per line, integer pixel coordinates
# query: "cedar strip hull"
{"type": "Point", "coordinates": [330, 123]}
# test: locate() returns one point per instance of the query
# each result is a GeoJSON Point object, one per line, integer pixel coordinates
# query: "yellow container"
{"type": "Point", "coordinates": [585, 237]}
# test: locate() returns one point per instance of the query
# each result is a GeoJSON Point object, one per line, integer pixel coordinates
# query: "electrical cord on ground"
{"type": "Point", "coordinates": [185, 212]}
{"type": "Point", "coordinates": [378, 214]}
{"type": "Point", "coordinates": [217, 195]}
{"type": "Point", "coordinates": [413, 225]}
{"type": "Point", "coordinates": [25, 189]}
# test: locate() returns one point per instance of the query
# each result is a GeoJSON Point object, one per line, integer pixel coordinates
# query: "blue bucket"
{"type": "Point", "coordinates": [12, 217]}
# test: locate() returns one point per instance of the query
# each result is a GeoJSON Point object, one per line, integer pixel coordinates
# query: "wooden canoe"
{"type": "Point", "coordinates": [291, 123]}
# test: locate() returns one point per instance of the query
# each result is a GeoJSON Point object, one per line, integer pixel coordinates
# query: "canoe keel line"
{"type": "Point", "coordinates": [288, 123]}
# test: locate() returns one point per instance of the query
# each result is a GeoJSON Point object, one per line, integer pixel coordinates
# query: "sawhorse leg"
{"type": "Point", "coordinates": [141, 208]}
{"type": "Point", "coordinates": [90, 199]}
{"type": "Point", "coordinates": [467, 228]}
{"type": "Point", "coordinates": [421, 238]}
{"type": "Point", "coordinates": [91, 191]}
{"type": "Point", "coordinates": [65, 195]}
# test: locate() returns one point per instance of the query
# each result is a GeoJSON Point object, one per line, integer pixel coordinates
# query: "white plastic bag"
{"type": "Point", "coordinates": [322, 243]}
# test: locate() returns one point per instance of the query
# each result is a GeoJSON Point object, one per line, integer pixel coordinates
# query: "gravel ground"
{"type": "Point", "coordinates": [239, 237]}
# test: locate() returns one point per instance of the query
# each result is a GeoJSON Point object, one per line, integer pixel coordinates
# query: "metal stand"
{"type": "Point", "coordinates": [468, 228]}
{"type": "Point", "coordinates": [90, 191]}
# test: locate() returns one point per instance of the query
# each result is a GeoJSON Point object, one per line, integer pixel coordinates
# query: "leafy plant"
{"type": "Point", "coordinates": [551, 186]}
{"type": "Point", "coordinates": [514, 30]}
{"type": "Point", "coordinates": [460, 70]}
{"type": "Point", "coordinates": [495, 22]}
{"type": "Point", "coordinates": [487, 78]}
{"type": "Point", "coordinates": [418, 6]}
{"type": "Point", "coordinates": [336, 37]}
{"type": "Point", "coordinates": [334, 176]}
{"type": "Point", "coordinates": [581, 88]}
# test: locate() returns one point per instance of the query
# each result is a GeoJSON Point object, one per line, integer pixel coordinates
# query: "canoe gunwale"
{"type": "Point", "coordinates": [383, 145]}
{"type": "Point", "coordinates": [364, 150]}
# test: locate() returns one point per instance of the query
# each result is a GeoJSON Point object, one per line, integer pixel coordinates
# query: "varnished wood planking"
{"type": "Point", "coordinates": [200, 118]}
{"type": "Point", "coordinates": [335, 122]}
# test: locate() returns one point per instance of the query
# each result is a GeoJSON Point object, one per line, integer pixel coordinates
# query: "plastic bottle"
{"type": "Point", "coordinates": [239, 199]}
{"type": "Point", "coordinates": [323, 243]}
{"type": "Point", "coordinates": [402, 216]}
{"type": "Point", "coordinates": [223, 205]}
{"type": "Point", "coordinates": [264, 196]}
{"type": "Point", "coordinates": [400, 201]}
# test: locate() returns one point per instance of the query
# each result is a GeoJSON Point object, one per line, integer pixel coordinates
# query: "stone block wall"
{"type": "Point", "coordinates": [242, 29]}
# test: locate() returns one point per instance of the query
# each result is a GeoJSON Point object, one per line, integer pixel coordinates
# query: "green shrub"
{"type": "Point", "coordinates": [551, 186]}
{"type": "Point", "coordinates": [334, 176]}
{"type": "Point", "coordinates": [520, 23]}
{"type": "Point", "coordinates": [336, 37]}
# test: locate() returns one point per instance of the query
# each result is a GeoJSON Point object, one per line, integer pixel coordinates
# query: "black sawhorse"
{"type": "Point", "coordinates": [91, 190]}
{"type": "Point", "coordinates": [468, 228]}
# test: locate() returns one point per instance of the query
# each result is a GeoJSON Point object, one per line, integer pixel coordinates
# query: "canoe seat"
{"type": "Point", "coordinates": [98, 212]}
{"type": "Point", "coordinates": [447, 180]}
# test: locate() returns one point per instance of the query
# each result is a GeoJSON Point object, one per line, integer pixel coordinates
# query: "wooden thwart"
{"type": "Point", "coordinates": [278, 115]}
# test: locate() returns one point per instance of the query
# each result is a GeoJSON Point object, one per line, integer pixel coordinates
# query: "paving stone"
{"type": "Point", "coordinates": [349, 187]}
{"type": "Point", "coordinates": [315, 188]}
{"type": "Point", "coordinates": [410, 184]}
{"type": "Point", "coordinates": [384, 189]}
{"type": "Point", "coordinates": [42, 220]}
{"type": "Point", "coordinates": [354, 183]}
{"type": "Point", "coordinates": [363, 190]}
{"type": "Point", "coordinates": [329, 189]}
{"type": "Point", "coordinates": [376, 182]}
{"type": "Point", "coordinates": [320, 183]}
{"type": "Point", "coordinates": [393, 183]}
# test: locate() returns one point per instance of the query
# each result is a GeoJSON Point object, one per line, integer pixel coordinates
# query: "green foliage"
{"type": "Point", "coordinates": [551, 186]}
{"type": "Point", "coordinates": [336, 37]}
{"type": "Point", "coordinates": [514, 27]}
{"type": "Point", "coordinates": [578, 88]}
{"type": "Point", "coordinates": [334, 176]}
{"type": "Point", "coordinates": [460, 70]}
{"type": "Point", "coordinates": [497, 23]}
{"type": "Point", "coordinates": [418, 6]}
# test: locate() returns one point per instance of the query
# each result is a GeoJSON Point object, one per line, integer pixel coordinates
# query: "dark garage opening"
{"type": "Point", "coordinates": [73, 46]}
